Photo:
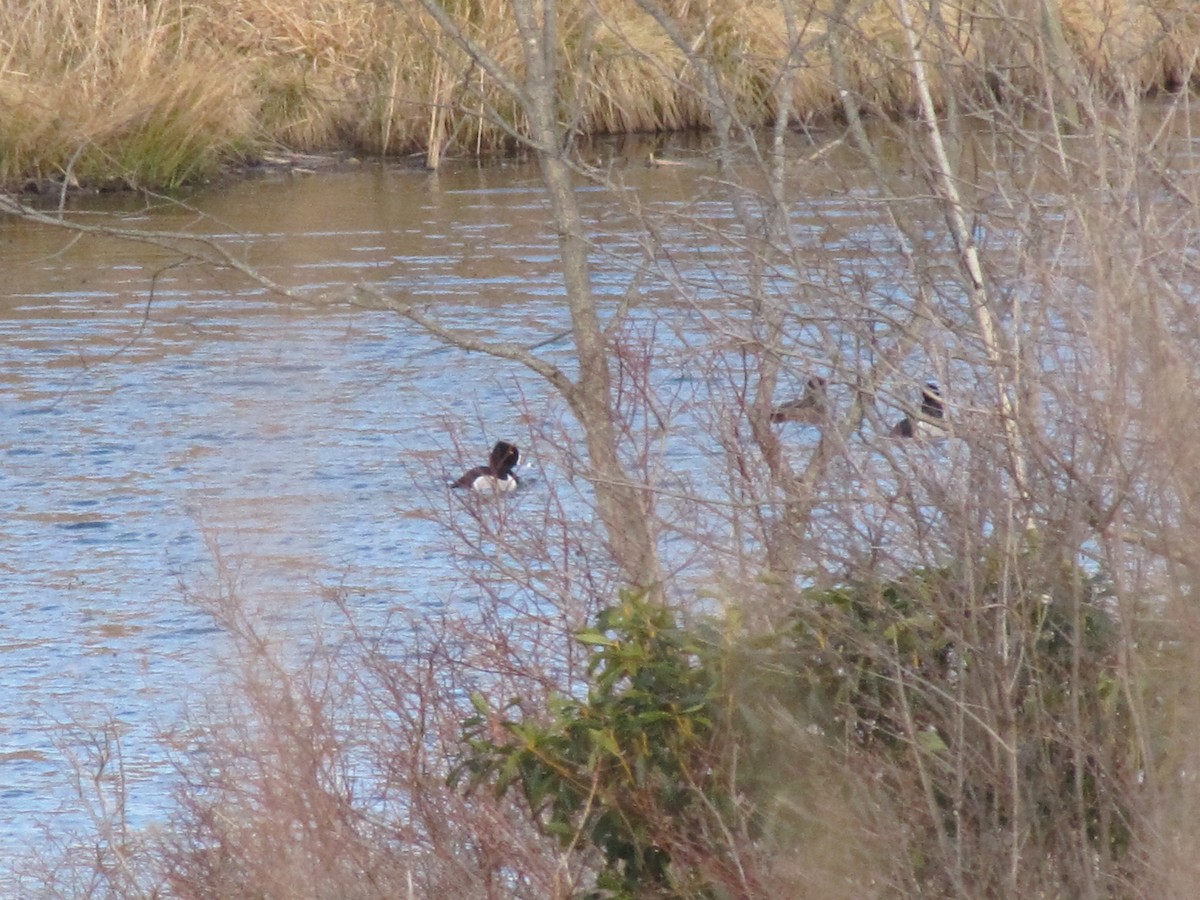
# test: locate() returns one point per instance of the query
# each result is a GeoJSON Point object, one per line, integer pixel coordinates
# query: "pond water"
{"type": "Point", "coordinates": [165, 427]}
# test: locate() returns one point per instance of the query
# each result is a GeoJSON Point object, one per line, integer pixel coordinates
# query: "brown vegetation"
{"type": "Point", "coordinates": [156, 93]}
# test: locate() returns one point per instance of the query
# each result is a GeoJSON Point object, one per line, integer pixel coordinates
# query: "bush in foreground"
{"type": "Point", "coordinates": [980, 713]}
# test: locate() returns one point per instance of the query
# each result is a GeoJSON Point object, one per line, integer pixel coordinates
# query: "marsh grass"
{"type": "Point", "coordinates": [161, 92]}
{"type": "Point", "coordinates": [121, 91]}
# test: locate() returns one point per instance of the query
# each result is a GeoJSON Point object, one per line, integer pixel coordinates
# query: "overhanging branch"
{"type": "Point", "coordinates": [377, 299]}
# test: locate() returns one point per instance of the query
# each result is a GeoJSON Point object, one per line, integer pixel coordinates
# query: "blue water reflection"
{"type": "Point", "coordinates": [161, 424]}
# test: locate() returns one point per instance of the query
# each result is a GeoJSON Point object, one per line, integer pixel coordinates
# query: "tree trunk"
{"type": "Point", "coordinates": [624, 507]}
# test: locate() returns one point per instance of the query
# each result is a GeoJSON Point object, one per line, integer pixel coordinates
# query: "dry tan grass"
{"type": "Point", "coordinates": [121, 89]}
{"type": "Point", "coordinates": [159, 91]}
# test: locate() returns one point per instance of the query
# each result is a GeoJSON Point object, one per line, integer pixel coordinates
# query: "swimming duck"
{"type": "Point", "coordinates": [497, 475]}
{"type": "Point", "coordinates": [929, 423]}
{"type": "Point", "coordinates": [809, 407]}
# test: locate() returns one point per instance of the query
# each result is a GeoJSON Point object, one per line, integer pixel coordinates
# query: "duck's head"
{"type": "Point", "coordinates": [932, 406]}
{"type": "Point", "coordinates": [504, 458]}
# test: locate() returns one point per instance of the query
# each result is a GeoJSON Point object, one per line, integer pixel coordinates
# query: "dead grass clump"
{"type": "Point", "coordinates": [323, 772]}
{"type": "Point", "coordinates": [317, 75]}
{"type": "Point", "coordinates": [314, 65]}
{"type": "Point", "coordinates": [1119, 44]}
{"type": "Point", "coordinates": [631, 79]}
{"type": "Point", "coordinates": [125, 90]}
{"type": "Point", "coordinates": [29, 129]}
{"type": "Point", "coordinates": [177, 131]}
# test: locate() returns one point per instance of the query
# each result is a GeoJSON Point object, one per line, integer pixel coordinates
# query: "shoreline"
{"type": "Point", "coordinates": [159, 94]}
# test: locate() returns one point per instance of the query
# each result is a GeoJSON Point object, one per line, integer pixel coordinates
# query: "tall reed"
{"type": "Point", "coordinates": [160, 92]}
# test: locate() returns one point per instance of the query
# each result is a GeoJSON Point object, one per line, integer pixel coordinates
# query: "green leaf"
{"type": "Point", "coordinates": [931, 742]}
{"type": "Point", "coordinates": [595, 638]}
{"type": "Point", "coordinates": [605, 739]}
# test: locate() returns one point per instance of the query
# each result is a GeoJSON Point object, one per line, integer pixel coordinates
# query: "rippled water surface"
{"type": "Point", "coordinates": [165, 427]}
{"type": "Point", "coordinates": [161, 424]}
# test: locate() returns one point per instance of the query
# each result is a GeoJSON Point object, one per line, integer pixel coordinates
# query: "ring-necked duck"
{"type": "Point", "coordinates": [809, 408]}
{"type": "Point", "coordinates": [930, 421]}
{"type": "Point", "coordinates": [497, 475]}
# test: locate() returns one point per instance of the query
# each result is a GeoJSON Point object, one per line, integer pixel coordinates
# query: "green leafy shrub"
{"type": "Point", "coordinates": [978, 700]}
{"type": "Point", "coordinates": [987, 695]}
{"type": "Point", "coordinates": [633, 769]}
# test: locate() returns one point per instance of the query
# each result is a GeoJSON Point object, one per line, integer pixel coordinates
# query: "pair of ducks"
{"type": "Point", "coordinates": [810, 408]}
